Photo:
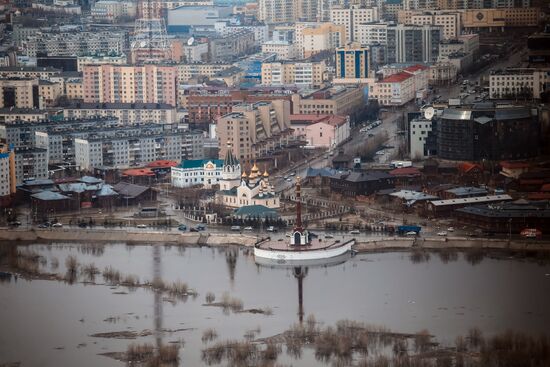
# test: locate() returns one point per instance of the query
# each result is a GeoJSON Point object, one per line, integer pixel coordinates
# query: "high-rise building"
{"type": "Point", "coordinates": [449, 20]}
{"type": "Point", "coordinates": [254, 129]}
{"type": "Point", "coordinates": [409, 43]}
{"type": "Point", "coordinates": [352, 16]}
{"type": "Point", "coordinates": [313, 38]}
{"type": "Point", "coordinates": [310, 74]}
{"type": "Point", "coordinates": [352, 62]}
{"type": "Point", "coordinates": [130, 84]}
{"type": "Point", "coordinates": [7, 174]}
{"type": "Point", "coordinates": [277, 11]}
{"type": "Point", "coordinates": [19, 93]}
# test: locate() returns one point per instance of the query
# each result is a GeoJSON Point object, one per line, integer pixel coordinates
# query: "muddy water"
{"type": "Point", "coordinates": [49, 323]}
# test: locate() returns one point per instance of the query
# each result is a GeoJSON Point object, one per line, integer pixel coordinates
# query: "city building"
{"type": "Point", "coordinates": [422, 144]}
{"type": "Point", "coordinates": [285, 50]}
{"type": "Point", "coordinates": [254, 129]}
{"type": "Point", "coordinates": [19, 93]}
{"type": "Point", "coordinates": [13, 114]}
{"type": "Point", "coordinates": [130, 84]}
{"type": "Point", "coordinates": [112, 59]}
{"type": "Point", "coordinates": [391, 8]}
{"type": "Point", "coordinates": [449, 20]}
{"type": "Point", "coordinates": [28, 72]}
{"type": "Point", "coordinates": [321, 131]}
{"type": "Point", "coordinates": [185, 19]}
{"type": "Point", "coordinates": [480, 19]}
{"type": "Point", "coordinates": [488, 131]}
{"type": "Point", "coordinates": [232, 46]}
{"type": "Point", "coordinates": [352, 64]}
{"type": "Point", "coordinates": [113, 10]}
{"type": "Point", "coordinates": [372, 33]}
{"type": "Point", "coordinates": [351, 16]}
{"type": "Point", "coordinates": [314, 38]}
{"type": "Point", "coordinates": [413, 43]}
{"type": "Point", "coordinates": [277, 11]}
{"type": "Point", "coordinates": [310, 74]}
{"type": "Point", "coordinates": [126, 113]}
{"type": "Point", "coordinates": [337, 100]}
{"type": "Point", "coordinates": [7, 175]}
{"type": "Point", "coordinates": [225, 27]}
{"type": "Point", "coordinates": [30, 163]}
{"type": "Point", "coordinates": [58, 43]}
{"type": "Point", "coordinates": [353, 184]}
{"type": "Point", "coordinates": [126, 147]}
{"type": "Point", "coordinates": [395, 90]}
{"type": "Point", "coordinates": [194, 172]}
{"type": "Point", "coordinates": [159, 9]}
{"type": "Point", "coordinates": [442, 73]}
{"type": "Point", "coordinates": [518, 83]}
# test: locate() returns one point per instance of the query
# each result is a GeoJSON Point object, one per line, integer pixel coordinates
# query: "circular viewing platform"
{"type": "Point", "coordinates": [317, 249]}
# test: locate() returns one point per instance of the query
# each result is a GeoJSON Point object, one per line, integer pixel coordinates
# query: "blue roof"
{"type": "Point", "coordinates": [90, 180]}
{"type": "Point", "coordinates": [39, 181]}
{"type": "Point", "coordinates": [49, 195]}
{"type": "Point", "coordinates": [198, 163]}
{"type": "Point", "coordinates": [107, 190]}
{"type": "Point", "coordinates": [394, 2]}
{"type": "Point", "coordinates": [323, 172]}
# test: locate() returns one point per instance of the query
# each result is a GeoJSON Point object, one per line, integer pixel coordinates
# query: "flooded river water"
{"type": "Point", "coordinates": [50, 323]}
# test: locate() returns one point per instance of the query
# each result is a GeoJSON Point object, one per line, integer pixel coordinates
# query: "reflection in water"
{"type": "Point", "coordinates": [300, 273]}
{"type": "Point", "coordinates": [157, 278]}
{"type": "Point", "coordinates": [231, 255]}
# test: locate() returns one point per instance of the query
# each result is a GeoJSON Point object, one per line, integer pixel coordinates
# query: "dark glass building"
{"type": "Point", "coordinates": [485, 131]}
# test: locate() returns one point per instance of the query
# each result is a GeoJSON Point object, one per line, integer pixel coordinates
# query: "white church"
{"type": "Point", "coordinates": [238, 189]}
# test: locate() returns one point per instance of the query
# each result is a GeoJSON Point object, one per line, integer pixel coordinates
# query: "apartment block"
{"type": "Point", "coordinates": [126, 113]}
{"type": "Point", "coordinates": [277, 11]}
{"type": "Point", "coordinates": [313, 38]}
{"type": "Point", "coordinates": [100, 60]}
{"type": "Point", "coordinates": [372, 33]}
{"type": "Point", "coordinates": [495, 18]}
{"type": "Point", "coordinates": [253, 130]}
{"type": "Point", "coordinates": [130, 84]}
{"type": "Point", "coordinates": [188, 71]}
{"type": "Point", "coordinates": [30, 163]}
{"type": "Point", "coordinates": [57, 43]}
{"type": "Point", "coordinates": [285, 50]}
{"type": "Point", "coordinates": [159, 9]}
{"type": "Point", "coordinates": [231, 46]}
{"type": "Point", "coordinates": [352, 63]}
{"type": "Point", "coordinates": [409, 43]}
{"type": "Point", "coordinates": [13, 114]}
{"type": "Point", "coordinates": [112, 10]}
{"type": "Point", "coordinates": [337, 100]}
{"type": "Point", "coordinates": [524, 83]}
{"type": "Point", "coordinates": [301, 73]}
{"type": "Point", "coordinates": [7, 174]}
{"type": "Point", "coordinates": [19, 93]}
{"type": "Point", "coordinates": [28, 72]}
{"type": "Point", "coordinates": [449, 20]}
{"type": "Point", "coordinates": [350, 17]}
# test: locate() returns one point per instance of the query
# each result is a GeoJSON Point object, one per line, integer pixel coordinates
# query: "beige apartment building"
{"type": "Point", "coordinates": [254, 129]}
{"type": "Point", "coordinates": [127, 113]}
{"type": "Point", "coordinates": [158, 9]}
{"type": "Point", "coordinates": [352, 16]}
{"type": "Point", "coordinates": [188, 71]}
{"type": "Point", "coordinates": [337, 100]}
{"type": "Point", "coordinates": [130, 84]}
{"type": "Point", "coordinates": [313, 38]}
{"type": "Point", "coordinates": [352, 64]}
{"type": "Point", "coordinates": [518, 83]}
{"type": "Point", "coordinates": [277, 11]}
{"type": "Point", "coordinates": [285, 50]}
{"type": "Point", "coordinates": [49, 92]}
{"type": "Point", "coordinates": [449, 20]}
{"type": "Point", "coordinates": [24, 114]}
{"type": "Point", "coordinates": [73, 89]}
{"type": "Point", "coordinates": [27, 72]}
{"type": "Point", "coordinates": [19, 93]}
{"type": "Point", "coordinates": [301, 73]}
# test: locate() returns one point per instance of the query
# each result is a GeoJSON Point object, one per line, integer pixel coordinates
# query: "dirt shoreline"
{"type": "Point", "coordinates": [224, 239]}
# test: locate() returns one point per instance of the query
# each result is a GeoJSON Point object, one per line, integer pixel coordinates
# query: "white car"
{"type": "Point", "coordinates": [380, 152]}
{"type": "Point", "coordinates": [248, 228]}
{"type": "Point", "coordinates": [442, 233]}
{"type": "Point", "coordinates": [450, 229]}
{"type": "Point", "coordinates": [355, 231]}
{"type": "Point", "coordinates": [411, 233]}
{"type": "Point", "coordinates": [141, 226]}
{"type": "Point", "coordinates": [271, 229]}
{"type": "Point", "coordinates": [57, 225]}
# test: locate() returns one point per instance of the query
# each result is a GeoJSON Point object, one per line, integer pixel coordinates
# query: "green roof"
{"type": "Point", "coordinates": [198, 163]}
{"type": "Point", "coordinates": [255, 211]}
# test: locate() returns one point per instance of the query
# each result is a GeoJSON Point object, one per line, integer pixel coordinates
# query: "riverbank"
{"type": "Point", "coordinates": [221, 239]}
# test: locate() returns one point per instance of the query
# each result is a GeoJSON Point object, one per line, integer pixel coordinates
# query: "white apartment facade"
{"type": "Point", "coordinates": [519, 83]}
{"type": "Point", "coordinates": [351, 17]}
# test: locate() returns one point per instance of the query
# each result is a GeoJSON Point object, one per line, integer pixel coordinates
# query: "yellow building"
{"type": "Point", "coordinates": [314, 38]}
{"type": "Point", "coordinates": [302, 73]}
{"type": "Point", "coordinates": [337, 100]}
{"type": "Point", "coordinates": [73, 88]}
{"type": "Point", "coordinates": [193, 70]}
{"type": "Point", "coordinates": [353, 63]}
{"type": "Point", "coordinates": [19, 93]}
{"type": "Point", "coordinates": [491, 18]}
{"type": "Point", "coordinates": [277, 11]}
{"type": "Point", "coordinates": [49, 92]}
{"type": "Point", "coordinates": [449, 20]}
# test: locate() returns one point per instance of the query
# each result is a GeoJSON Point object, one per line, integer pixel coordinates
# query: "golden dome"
{"type": "Point", "coordinates": [255, 168]}
{"type": "Point", "coordinates": [244, 175]}
{"type": "Point", "coordinates": [265, 173]}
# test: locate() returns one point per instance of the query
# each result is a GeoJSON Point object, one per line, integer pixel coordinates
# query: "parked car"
{"type": "Point", "coordinates": [182, 227]}
{"type": "Point", "coordinates": [15, 223]}
{"type": "Point", "coordinates": [248, 228]}
{"type": "Point", "coordinates": [411, 233]}
{"type": "Point", "coordinates": [82, 225]}
{"type": "Point", "coordinates": [235, 228]}
{"type": "Point", "coordinates": [141, 226]}
{"type": "Point", "coordinates": [43, 225]}
{"type": "Point", "coordinates": [271, 229]}
{"type": "Point", "coordinates": [57, 225]}
{"type": "Point", "coordinates": [329, 236]}
{"type": "Point", "coordinates": [450, 229]}
{"type": "Point", "coordinates": [201, 227]}
{"type": "Point", "coordinates": [193, 229]}
{"type": "Point", "coordinates": [355, 231]}
{"type": "Point", "coordinates": [442, 233]}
